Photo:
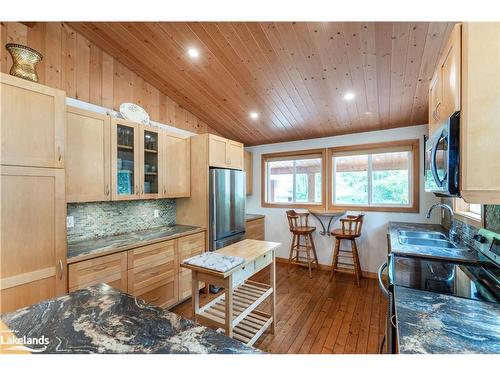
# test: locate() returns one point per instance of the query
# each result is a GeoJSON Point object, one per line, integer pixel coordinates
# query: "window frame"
{"type": "Point", "coordinates": [267, 157]}
{"type": "Point", "coordinates": [414, 206]}
{"type": "Point", "coordinates": [462, 212]}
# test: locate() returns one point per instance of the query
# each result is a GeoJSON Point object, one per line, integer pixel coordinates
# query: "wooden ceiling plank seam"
{"type": "Point", "coordinates": [383, 41]}
{"type": "Point", "coordinates": [291, 70]}
{"type": "Point", "coordinates": [216, 82]}
{"type": "Point", "coordinates": [249, 57]}
{"type": "Point", "coordinates": [352, 40]}
{"type": "Point", "coordinates": [276, 65]}
{"type": "Point", "coordinates": [333, 77]}
{"type": "Point", "coordinates": [215, 78]}
{"type": "Point", "coordinates": [319, 96]}
{"type": "Point", "coordinates": [400, 37]}
{"type": "Point", "coordinates": [416, 44]}
{"type": "Point", "coordinates": [305, 33]}
{"type": "Point", "coordinates": [229, 58]}
{"type": "Point", "coordinates": [88, 30]}
{"type": "Point", "coordinates": [270, 57]}
{"type": "Point", "coordinates": [342, 69]}
{"type": "Point", "coordinates": [266, 108]}
{"type": "Point", "coordinates": [320, 39]}
{"type": "Point", "coordinates": [200, 94]}
{"type": "Point", "coordinates": [369, 53]}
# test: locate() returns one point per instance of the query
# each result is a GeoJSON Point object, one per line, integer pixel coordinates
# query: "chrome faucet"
{"type": "Point", "coordinates": [452, 233]}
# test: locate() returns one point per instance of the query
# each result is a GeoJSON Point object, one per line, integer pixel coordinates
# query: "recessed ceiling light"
{"type": "Point", "coordinates": [349, 96]}
{"type": "Point", "coordinates": [193, 52]}
{"type": "Point", "coordinates": [368, 113]}
{"type": "Point", "coordinates": [254, 115]}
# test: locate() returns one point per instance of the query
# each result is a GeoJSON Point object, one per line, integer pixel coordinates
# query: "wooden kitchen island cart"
{"type": "Point", "coordinates": [235, 311]}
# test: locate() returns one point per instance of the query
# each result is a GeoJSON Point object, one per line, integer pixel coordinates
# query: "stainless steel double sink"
{"type": "Point", "coordinates": [424, 238]}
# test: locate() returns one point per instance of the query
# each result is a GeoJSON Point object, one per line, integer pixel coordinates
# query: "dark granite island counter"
{"type": "Point", "coordinates": [433, 323]}
{"type": "Point", "coordinates": [100, 319]}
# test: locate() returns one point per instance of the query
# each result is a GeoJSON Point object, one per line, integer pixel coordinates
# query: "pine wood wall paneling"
{"type": "Point", "coordinates": [81, 68]}
{"type": "Point", "coordinates": [383, 40]}
{"type": "Point", "coordinates": [107, 83]}
{"type": "Point", "coordinates": [95, 75]}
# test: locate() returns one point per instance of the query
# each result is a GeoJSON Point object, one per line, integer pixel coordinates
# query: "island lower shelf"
{"type": "Point", "coordinates": [247, 322]}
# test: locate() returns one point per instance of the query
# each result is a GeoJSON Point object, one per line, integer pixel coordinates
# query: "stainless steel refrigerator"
{"type": "Point", "coordinates": [227, 207]}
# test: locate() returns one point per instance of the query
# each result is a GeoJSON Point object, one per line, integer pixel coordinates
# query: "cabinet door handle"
{"type": "Point", "coordinates": [154, 273]}
{"type": "Point", "coordinates": [136, 190]}
{"type": "Point", "coordinates": [154, 299]}
{"type": "Point", "coordinates": [99, 268]}
{"type": "Point", "coordinates": [61, 269]}
{"type": "Point", "coordinates": [59, 154]}
{"type": "Point", "coordinates": [107, 190]}
{"type": "Point", "coordinates": [142, 189]}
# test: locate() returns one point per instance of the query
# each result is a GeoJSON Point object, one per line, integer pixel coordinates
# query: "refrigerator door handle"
{"type": "Point", "coordinates": [214, 208]}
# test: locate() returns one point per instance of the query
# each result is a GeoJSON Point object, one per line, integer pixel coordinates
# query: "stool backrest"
{"type": "Point", "coordinates": [295, 219]}
{"type": "Point", "coordinates": [353, 223]}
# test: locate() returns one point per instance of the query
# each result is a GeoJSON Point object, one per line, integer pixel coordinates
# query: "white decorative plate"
{"type": "Point", "coordinates": [133, 112]}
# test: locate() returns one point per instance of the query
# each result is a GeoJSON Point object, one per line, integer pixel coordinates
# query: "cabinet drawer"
{"type": "Point", "coordinates": [191, 245]}
{"type": "Point", "coordinates": [105, 269]}
{"type": "Point", "coordinates": [157, 253]}
{"type": "Point", "coordinates": [243, 273]}
{"type": "Point", "coordinates": [144, 276]}
{"type": "Point", "coordinates": [263, 261]}
{"type": "Point", "coordinates": [162, 294]}
{"type": "Point", "coordinates": [185, 282]}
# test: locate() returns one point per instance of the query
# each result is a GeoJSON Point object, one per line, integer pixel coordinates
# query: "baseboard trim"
{"type": "Point", "coordinates": [327, 267]}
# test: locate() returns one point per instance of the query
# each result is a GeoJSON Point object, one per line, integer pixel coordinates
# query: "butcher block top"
{"type": "Point", "coordinates": [246, 249]}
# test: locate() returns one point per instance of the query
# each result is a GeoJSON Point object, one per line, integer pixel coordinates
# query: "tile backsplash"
{"type": "Point", "coordinates": [465, 231]}
{"type": "Point", "coordinates": [102, 219]}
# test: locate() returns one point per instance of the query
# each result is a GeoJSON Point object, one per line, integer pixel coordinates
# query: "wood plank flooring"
{"type": "Point", "coordinates": [318, 316]}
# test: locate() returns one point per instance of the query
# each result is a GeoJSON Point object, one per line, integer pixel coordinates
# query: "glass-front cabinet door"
{"type": "Point", "coordinates": [125, 159]}
{"type": "Point", "coordinates": [150, 184]}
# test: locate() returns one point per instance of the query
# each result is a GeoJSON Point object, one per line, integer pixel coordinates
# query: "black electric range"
{"type": "Point", "coordinates": [479, 281]}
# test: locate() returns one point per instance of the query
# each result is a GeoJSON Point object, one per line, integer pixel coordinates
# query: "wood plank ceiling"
{"type": "Point", "coordinates": [293, 74]}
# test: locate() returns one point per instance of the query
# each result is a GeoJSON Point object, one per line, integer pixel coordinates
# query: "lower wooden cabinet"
{"type": "Point", "coordinates": [151, 273]}
{"type": "Point", "coordinates": [33, 236]}
{"type": "Point", "coordinates": [109, 269]}
{"type": "Point", "coordinates": [162, 294]}
{"type": "Point", "coordinates": [255, 229]}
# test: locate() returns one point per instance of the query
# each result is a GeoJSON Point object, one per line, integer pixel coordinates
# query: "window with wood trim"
{"type": "Point", "coordinates": [375, 177]}
{"type": "Point", "coordinates": [293, 179]}
{"type": "Point", "coordinates": [469, 213]}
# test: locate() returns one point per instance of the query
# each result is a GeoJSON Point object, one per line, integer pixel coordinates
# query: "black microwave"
{"type": "Point", "coordinates": [442, 159]}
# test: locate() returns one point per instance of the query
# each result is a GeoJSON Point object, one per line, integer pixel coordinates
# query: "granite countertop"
{"type": "Point", "coordinates": [108, 245]}
{"type": "Point", "coordinates": [100, 319]}
{"type": "Point", "coordinates": [250, 217]}
{"type": "Point", "coordinates": [437, 323]}
{"type": "Point", "coordinates": [461, 253]}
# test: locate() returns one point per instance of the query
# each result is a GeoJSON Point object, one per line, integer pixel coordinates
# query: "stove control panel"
{"type": "Point", "coordinates": [488, 243]}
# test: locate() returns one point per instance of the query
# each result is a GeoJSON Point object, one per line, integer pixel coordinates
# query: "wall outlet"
{"type": "Point", "coordinates": [156, 213]}
{"type": "Point", "coordinates": [70, 221]}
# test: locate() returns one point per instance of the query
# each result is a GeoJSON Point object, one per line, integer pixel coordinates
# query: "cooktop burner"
{"type": "Point", "coordinates": [479, 281]}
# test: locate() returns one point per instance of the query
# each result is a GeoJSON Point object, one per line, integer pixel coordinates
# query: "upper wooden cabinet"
{"type": "Point", "coordinates": [444, 90]}
{"type": "Point", "coordinates": [177, 166]}
{"type": "Point", "coordinates": [151, 163]}
{"type": "Point", "coordinates": [32, 123]}
{"type": "Point", "coordinates": [480, 116]}
{"type": "Point", "coordinates": [33, 236]}
{"type": "Point", "coordinates": [125, 159]}
{"type": "Point", "coordinates": [87, 156]}
{"type": "Point", "coordinates": [248, 168]}
{"type": "Point", "coordinates": [224, 153]}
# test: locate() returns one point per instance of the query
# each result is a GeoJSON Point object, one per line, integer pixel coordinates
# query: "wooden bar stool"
{"type": "Point", "coordinates": [351, 229]}
{"type": "Point", "coordinates": [300, 229]}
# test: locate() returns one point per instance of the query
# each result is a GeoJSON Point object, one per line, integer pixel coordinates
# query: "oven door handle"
{"type": "Point", "coordinates": [380, 281]}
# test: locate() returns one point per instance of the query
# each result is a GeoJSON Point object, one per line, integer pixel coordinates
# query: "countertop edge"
{"type": "Point", "coordinates": [99, 254]}
{"type": "Point", "coordinates": [256, 217]}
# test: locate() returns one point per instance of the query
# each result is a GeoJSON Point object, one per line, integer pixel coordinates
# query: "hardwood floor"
{"type": "Point", "coordinates": [318, 316]}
